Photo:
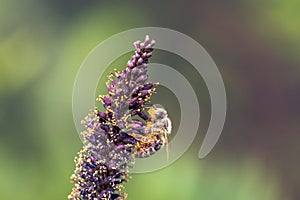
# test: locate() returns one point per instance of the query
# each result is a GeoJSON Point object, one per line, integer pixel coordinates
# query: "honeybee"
{"type": "Point", "coordinates": [156, 132]}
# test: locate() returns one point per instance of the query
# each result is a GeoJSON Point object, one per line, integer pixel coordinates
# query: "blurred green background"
{"type": "Point", "coordinates": [255, 44]}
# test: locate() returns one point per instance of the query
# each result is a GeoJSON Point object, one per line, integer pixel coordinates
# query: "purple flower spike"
{"type": "Point", "coordinates": [113, 139]}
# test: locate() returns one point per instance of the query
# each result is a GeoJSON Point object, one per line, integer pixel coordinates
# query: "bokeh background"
{"type": "Point", "coordinates": [255, 44]}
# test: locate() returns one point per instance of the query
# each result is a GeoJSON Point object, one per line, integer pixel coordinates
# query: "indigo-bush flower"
{"type": "Point", "coordinates": [95, 180]}
{"type": "Point", "coordinates": [129, 128]}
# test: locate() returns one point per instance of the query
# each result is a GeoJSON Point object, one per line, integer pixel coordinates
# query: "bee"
{"type": "Point", "coordinates": [156, 132]}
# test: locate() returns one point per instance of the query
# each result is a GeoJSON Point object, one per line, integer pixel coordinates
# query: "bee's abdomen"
{"type": "Point", "coordinates": [146, 149]}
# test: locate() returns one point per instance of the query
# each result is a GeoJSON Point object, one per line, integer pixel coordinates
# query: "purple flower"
{"type": "Point", "coordinates": [113, 139]}
{"type": "Point", "coordinates": [95, 180]}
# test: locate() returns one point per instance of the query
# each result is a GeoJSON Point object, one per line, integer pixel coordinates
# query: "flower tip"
{"type": "Point", "coordinates": [147, 39]}
{"type": "Point", "coordinates": [152, 43]}
{"type": "Point", "coordinates": [137, 44]}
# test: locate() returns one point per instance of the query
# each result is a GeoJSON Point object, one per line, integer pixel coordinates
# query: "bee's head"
{"type": "Point", "coordinates": [157, 113]}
